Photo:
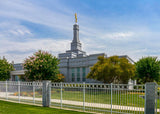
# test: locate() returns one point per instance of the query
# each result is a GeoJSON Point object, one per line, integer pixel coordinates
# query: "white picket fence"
{"type": "Point", "coordinates": [87, 97]}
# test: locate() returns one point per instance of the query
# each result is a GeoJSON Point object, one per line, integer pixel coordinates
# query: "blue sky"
{"type": "Point", "coordinates": [115, 27]}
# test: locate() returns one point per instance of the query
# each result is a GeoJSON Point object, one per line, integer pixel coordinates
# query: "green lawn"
{"type": "Point", "coordinates": [16, 108]}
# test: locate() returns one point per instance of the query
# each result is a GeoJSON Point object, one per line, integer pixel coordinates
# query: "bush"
{"type": "Point", "coordinates": [148, 70]}
{"type": "Point", "coordinates": [5, 69]}
{"type": "Point", "coordinates": [42, 66]}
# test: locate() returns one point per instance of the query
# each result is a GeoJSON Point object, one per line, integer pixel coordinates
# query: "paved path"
{"type": "Point", "coordinates": [77, 103]}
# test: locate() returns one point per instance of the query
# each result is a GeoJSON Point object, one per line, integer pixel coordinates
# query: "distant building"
{"type": "Point", "coordinates": [18, 72]}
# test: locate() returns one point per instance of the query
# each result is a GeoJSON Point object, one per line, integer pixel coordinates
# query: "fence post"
{"type": "Point", "coordinates": [33, 84]}
{"type": "Point", "coordinates": [111, 98]}
{"type": "Point", "coordinates": [19, 91]}
{"type": "Point", "coordinates": [46, 93]}
{"type": "Point", "coordinates": [6, 90]}
{"type": "Point", "coordinates": [61, 94]}
{"type": "Point", "coordinates": [83, 96]}
{"type": "Point", "coordinates": [150, 97]}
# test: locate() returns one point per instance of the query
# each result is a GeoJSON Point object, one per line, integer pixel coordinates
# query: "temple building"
{"type": "Point", "coordinates": [74, 64]}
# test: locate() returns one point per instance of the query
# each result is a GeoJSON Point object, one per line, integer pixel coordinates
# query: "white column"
{"type": "Point", "coordinates": [81, 74]}
{"type": "Point", "coordinates": [75, 74]}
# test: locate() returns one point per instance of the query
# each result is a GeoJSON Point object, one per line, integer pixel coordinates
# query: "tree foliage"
{"type": "Point", "coordinates": [112, 70]}
{"type": "Point", "coordinates": [5, 68]}
{"type": "Point", "coordinates": [148, 69]}
{"type": "Point", "coordinates": [42, 66]}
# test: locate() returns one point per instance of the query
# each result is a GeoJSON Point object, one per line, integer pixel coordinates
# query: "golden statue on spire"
{"type": "Point", "coordinates": [75, 17]}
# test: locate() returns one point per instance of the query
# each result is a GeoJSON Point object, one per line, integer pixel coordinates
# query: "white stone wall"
{"type": "Point", "coordinates": [66, 65]}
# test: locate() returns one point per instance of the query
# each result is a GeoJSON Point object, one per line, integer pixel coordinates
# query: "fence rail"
{"type": "Point", "coordinates": [90, 97]}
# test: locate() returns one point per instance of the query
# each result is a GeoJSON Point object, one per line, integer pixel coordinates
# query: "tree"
{"type": "Point", "coordinates": [59, 78]}
{"type": "Point", "coordinates": [5, 68]}
{"type": "Point", "coordinates": [148, 69]}
{"type": "Point", "coordinates": [42, 66]}
{"type": "Point", "coordinates": [112, 69]}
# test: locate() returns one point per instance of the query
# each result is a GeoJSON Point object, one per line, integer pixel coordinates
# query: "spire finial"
{"type": "Point", "coordinates": [75, 17]}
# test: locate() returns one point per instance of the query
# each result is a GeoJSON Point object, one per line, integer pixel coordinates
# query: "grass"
{"type": "Point", "coordinates": [16, 108]}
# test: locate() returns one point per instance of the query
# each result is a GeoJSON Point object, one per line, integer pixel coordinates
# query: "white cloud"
{"type": "Point", "coordinates": [60, 18]}
{"type": "Point", "coordinates": [17, 51]}
{"type": "Point", "coordinates": [13, 30]}
{"type": "Point", "coordinates": [27, 11]}
{"type": "Point", "coordinates": [118, 35]}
